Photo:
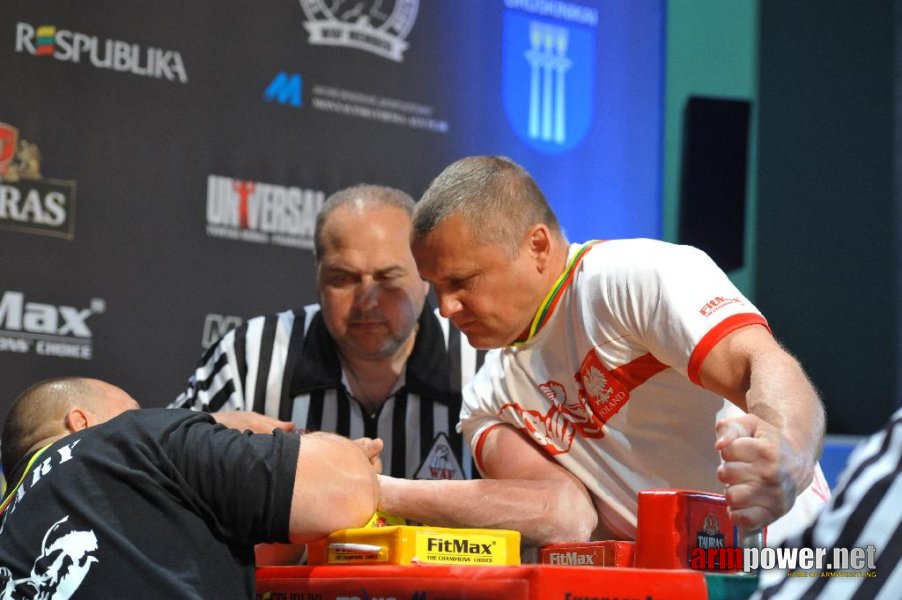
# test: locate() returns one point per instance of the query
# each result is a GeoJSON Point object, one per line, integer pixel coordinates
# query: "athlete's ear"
{"type": "Point", "coordinates": [539, 243]}
{"type": "Point", "coordinates": [78, 418]}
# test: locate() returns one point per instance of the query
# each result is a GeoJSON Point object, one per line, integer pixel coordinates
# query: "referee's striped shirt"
{"type": "Point", "coordinates": [286, 366]}
{"type": "Point", "coordinates": [866, 510]}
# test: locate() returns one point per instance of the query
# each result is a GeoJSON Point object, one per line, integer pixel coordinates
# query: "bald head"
{"type": "Point", "coordinates": [56, 407]}
{"type": "Point", "coordinates": [359, 198]}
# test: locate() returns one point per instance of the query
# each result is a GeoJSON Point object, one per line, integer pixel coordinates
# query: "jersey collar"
{"type": "Point", "coordinates": [546, 308]}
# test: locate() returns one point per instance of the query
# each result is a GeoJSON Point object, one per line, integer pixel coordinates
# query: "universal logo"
{"type": "Point", "coordinates": [28, 202]}
{"type": "Point", "coordinates": [372, 25]}
{"type": "Point", "coordinates": [116, 55]}
{"type": "Point", "coordinates": [265, 213]}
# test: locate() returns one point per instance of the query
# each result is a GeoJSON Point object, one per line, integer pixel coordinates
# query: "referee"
{"type": "Point", "coordinates": [371, 359]}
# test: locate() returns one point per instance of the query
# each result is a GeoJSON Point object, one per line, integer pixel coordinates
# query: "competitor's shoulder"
{"type": "Point", "coordinates": [155, 421]}
{"type": "Point", "coordinates": [642, 247]}
{"type": "Point", "coordinates": [641, 254]}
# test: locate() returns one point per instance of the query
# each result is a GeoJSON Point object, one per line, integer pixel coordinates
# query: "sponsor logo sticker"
{"type": "Point", "coordinates": [548, 72]}
{"type": "Point", "coordinates": [29, 202]}
{"type": "Point", "coordinates": [715, 304]}
{"type": "Point", "coordinates": [376, 26]}
{"type": "Point", "coordinates": [216, 326]}
{"type": "Point", "coordinates": [440, 463]}
{"type": "Point", "coordinates": [263, 213]}
{"type": "Point", "coordinates": [286, 88]}
{"type": "Point", "coordinates": [46, 329]}
{"type": "Point", "coordinates": [115, 55]}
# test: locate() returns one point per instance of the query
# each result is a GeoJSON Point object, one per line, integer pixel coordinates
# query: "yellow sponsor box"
{"type": "Point", "coordinates": [409, 545]}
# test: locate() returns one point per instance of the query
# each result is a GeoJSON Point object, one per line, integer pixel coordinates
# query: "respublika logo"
{"type": "Point", "coordinates": [29, 202]}
{"type": "Point", "coordinates": [116, 55]}
{"type": "Point", "coordinates": [548, 78]}
{"type": "Point", "coordinates": [376, 26]}
{"type": "Point", "coordinates": [286, 88]}
{"type": "Point", "coordinates": [46, 329]}
{"type": "Point", "coordinates": [264, 213]}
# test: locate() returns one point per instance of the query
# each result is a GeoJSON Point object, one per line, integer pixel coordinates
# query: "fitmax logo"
{"type": "Point", "coordinates": [33, 317]}
{"type": "Point", "coordinates": [570, 558]}
{"type": "Point", "coordinates": [286, 88]}
{"type": "Point", "coordinates": [457, 546]}
{"type": "Point", "coordinates": [48, 329]}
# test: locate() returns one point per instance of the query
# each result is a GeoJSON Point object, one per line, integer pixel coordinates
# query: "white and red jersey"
{"type": "Point", "coordinates": [607, 380]}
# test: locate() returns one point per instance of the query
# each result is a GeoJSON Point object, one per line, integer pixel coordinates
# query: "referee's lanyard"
{"type": "Point", "coordinates": [12, 492]}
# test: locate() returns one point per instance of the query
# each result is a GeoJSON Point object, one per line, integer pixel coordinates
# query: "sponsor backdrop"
{"type": "Point", "coordinates": [162, 164]}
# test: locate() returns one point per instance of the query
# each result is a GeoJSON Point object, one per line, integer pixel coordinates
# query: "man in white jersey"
{"type": "Point", "coordinates": [622, 366]}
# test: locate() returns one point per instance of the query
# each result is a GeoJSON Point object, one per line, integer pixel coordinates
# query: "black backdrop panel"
{"type": "Point", "coordinates": [161, 163]}
{"type": "Point", "coordinates": [714, 178]}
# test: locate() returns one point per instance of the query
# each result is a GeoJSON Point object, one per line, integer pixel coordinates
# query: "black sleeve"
{"type": "Point", "coordinates": [241, 482]}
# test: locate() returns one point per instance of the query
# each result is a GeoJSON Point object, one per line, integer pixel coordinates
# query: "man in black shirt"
{"type": "Point", "coordinates": [160, 503]}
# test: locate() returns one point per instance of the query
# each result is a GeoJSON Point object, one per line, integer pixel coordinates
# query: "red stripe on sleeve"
{"type": "Point", "coordinates": [720, 331]}
{"type": "Point", "coordinates": [477, 451]}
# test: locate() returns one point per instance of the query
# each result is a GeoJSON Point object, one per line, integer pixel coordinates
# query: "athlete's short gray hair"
{"type": "Point", "coordinates": [497, 198]}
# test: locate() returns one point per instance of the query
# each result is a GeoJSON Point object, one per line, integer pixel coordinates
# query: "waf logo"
{"type": "Point", "coordinates": [376, 26]}
{"type": "Point", "coordinates": [548, 73]}
{"type": "Point", "coordinates": [28, 202]}
{"type": "Point", "coordinates": [115, 55]}
{"type": "Point", "coordinates": [599, 389]}
{"type": "Point", "coordinates": [265, 213]}
{"type": "Point", "coordinates": [440, 462]}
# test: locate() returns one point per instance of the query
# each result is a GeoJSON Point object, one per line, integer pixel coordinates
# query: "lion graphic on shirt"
{"type": "Point", "coordinates": [66, 557]}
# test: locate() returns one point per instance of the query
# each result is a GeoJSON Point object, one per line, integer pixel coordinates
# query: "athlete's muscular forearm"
{"type": "Point", "coordinates": [524, 489]}
{"type": "Point", "coordinates": [543, 511]}
{"type": "Point", "coordinates": [781, 394]}
{"type": "Point", "coordinates": [769, 454]}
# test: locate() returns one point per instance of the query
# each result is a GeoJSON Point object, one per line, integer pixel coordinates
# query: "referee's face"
{"type": "Point", "coordinates": [369, 288]}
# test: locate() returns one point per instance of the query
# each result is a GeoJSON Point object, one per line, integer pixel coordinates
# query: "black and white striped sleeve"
{"type": "Point", "coordinates": [245, 369]}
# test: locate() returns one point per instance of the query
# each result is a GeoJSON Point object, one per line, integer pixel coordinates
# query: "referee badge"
{"type": "Point", "coordinates": [440, 463]}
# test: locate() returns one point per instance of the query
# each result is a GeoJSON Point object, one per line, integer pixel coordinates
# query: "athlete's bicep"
{"type": "Point", "coordinates": [503, 452]}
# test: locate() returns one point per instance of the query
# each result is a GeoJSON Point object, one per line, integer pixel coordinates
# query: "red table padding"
{"type": "Point", "coordinates": [427, 582]}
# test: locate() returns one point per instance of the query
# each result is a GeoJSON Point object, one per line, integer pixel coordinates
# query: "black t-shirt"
{"type": "Point", "coordinates": [156, 503]}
